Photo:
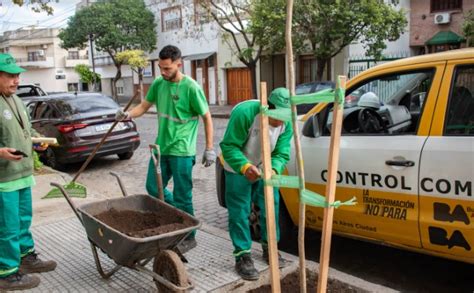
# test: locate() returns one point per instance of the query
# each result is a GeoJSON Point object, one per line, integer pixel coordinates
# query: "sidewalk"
{"type": "Point", "coordinates": [60, 236]}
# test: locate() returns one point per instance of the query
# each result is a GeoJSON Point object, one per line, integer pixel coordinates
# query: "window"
{"type": "Point", "coordinates": [73, 55]}
{"type": "Point", "coordinates": [460, 112]}
{"type": "Point", "coordinates": [171, 18]}
{"type": "Point", "coordinates": [120, 90]}
{"type": "Point", "coordinates": [445, 5]}
{"type": "Point", "coordinates": [307, 69]}
{"type": "Point", "coordinates": [73, 87]}
{"type": "Point", "coordinates": [36, 56]}
{"type": "Point", "coordinates": [389, 105]}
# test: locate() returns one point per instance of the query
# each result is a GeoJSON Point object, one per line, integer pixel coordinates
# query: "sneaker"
{"type": "Point", "coordinates": [18, 281]}
{"type": "Point", "coordinates": [187, 244]}
{"type": "Point", "coordinates": [33, 264]}
{"type": "Point", "coordinates": [245, 268]}
{"type": "Point", "coordinates": [281, 261]}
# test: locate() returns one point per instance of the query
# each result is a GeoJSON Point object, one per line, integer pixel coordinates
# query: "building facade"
{"type": "Point", "coordinates": [48, 65]}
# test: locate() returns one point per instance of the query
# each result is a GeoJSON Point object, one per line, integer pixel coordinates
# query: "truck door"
{"type": "Point", "coordinates": [447, 168]}
{"type": "Point", "coordinates": [378, 165]}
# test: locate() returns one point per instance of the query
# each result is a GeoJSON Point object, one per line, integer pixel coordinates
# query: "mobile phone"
{"type": "Point", "coordinates": [18, 152]}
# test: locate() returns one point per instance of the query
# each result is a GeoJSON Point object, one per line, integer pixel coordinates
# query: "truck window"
{"type": "Point", "coordinates": [460, 111]}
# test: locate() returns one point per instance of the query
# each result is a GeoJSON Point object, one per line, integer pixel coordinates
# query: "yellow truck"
{"type": "Point", "coordinates": [407, 155]}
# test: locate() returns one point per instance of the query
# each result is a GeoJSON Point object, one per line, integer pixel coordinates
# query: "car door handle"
{"type": "Point", "coordinates": [403, 163]}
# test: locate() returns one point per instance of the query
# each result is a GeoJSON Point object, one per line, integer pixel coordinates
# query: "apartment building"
{"type": "Point", "coordinates": [48, 65]}
{"type": "Point", "coordinates": [436, 25]}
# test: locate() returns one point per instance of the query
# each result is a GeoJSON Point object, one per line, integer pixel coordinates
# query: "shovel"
{"type": "Point", "coordinates": [156, 156]}
{"type": "Point", "coordinates": [78, 190]}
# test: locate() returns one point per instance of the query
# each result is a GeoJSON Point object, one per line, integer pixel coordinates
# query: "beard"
{"type": "Point", "coordinates": [171, 77]}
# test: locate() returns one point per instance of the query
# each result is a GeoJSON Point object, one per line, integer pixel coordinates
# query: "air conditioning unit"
{"type": "Point", "coordinates": [441, 18]}
{"type": "Point", "coordinates": [41, 53]}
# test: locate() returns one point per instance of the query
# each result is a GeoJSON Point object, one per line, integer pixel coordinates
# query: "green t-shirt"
{"type": "Point", "coordinates": [178, 106]}
{"type": "Point", "coordinates": [17, 184]}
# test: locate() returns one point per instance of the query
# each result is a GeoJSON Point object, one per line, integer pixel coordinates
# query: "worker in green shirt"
{"type": "Point", "coordinates": [17, 253]}
{"type": "Point", "coordinates": [241, 151]}
{"type": "Point", "coordinates": [179, 102]}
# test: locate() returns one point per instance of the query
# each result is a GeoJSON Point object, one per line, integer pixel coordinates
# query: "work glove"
{"type": "Point", "coordinates": [209, 157]}
{"type": "Point", "coordinates": [121, 115]}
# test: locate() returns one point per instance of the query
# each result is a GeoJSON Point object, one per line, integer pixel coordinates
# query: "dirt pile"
{"type": "Point", "coordinates": [143, 224]}
{"type": "Point", "coordinates": [291, 283]}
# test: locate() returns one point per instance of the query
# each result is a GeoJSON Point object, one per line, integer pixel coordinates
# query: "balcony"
{"type": "Point", "coordinates": [37, 62]}
{"type": "Point", "coordinates": [72, 62]}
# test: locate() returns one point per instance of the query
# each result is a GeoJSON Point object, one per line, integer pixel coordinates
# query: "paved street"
{"type": "Point", "coordinates": [397, 269]}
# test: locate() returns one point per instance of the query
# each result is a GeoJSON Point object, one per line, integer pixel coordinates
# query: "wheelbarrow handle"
{"type": "Point", "coordinates": [69, 200]}
{"type": "Point", "coordinates": [122, 187]}
{"type": "Point", "coordinates": [156, 157]}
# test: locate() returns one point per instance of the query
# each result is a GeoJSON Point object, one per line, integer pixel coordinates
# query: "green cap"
{"type": "Point", "coordinates": [280, 97]}
{"type": "Point", "coordinates": [8, 64]}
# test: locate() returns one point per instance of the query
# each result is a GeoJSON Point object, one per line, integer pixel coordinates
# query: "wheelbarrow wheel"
{"type": "Point", "coordinates": [168, 265]}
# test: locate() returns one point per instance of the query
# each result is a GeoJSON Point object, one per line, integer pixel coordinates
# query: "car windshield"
{"type": "Point", "coordinates": [303, 89]}
{"type": "Point", "coordinates": [86, 104]}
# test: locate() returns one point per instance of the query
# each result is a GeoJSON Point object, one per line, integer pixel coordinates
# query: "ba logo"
{"type": "Point", "coordinates": [442, 212]}
{"type": "Point", "coordinates": [439, 236]}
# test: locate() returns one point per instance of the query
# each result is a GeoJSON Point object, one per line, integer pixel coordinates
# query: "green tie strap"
{"type": "Point", "coordinates": [282, 114]}
{"type": "Point", "coordinates": [324, 96]}
{"type": "Point", "coordinates": [283, 181]}
{"type": "Point", "coordinates": [313, 199]}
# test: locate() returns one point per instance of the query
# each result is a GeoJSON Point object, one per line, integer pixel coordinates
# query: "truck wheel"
{"type": "Point", "coordinates": [288, 233]}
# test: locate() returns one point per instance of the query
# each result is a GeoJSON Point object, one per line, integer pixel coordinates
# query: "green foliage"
{"type": "Point", "coordinates": [86, 75]}
{"type": "Point", "coordinates": [135, 58]}
{"type": "Point", "coordinates": [37, 5]}
{"type": "Point", "coordinates": [37, 165]}
{"type": "Point", "coordinates": [115, 26]}
{"type": "Point", "coordinates": [325, 27]}
{"type": "Point", "coordinates": [468, 28]}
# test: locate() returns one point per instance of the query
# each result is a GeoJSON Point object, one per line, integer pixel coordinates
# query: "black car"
{"type": "Point", "coordinates": [78, 122]}
{"type": "Point", "coordinates": [311, 87]}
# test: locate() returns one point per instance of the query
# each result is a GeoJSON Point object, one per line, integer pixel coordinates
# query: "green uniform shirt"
{"type": "Point", "coordinates": [17, 184]}
{"type": "Point", "coordinates": [178, 106]}
{"type": "Point", "coordinates": [241, 128]}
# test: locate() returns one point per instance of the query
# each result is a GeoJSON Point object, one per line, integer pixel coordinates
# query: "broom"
{"type": "Point", "coordinates": [78, 190]}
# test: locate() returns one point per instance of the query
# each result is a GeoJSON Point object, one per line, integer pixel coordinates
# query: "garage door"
{"type": "Point", "coordinates": [239, 85]}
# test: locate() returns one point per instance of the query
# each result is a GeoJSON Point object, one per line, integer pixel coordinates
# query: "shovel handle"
{"type": "Point", "coordinates": [156, 156]}
{"type": "Point", "coordinates": [91, 156]}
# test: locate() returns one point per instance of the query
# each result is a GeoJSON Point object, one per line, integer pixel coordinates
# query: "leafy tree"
{"type": "Point", "coordinates": [137, 61]}
{"type": "Point", "coordinates": [468, 28]}
{"type": "Point", "coordinates": [231, 16]}
{"type": "Point", "coordinates": [37, 5]}
{"type": "Point", "coordinates": [115, 26]}
{"type": "Point", "coordinates": [86, 75]}
{"type": "Point", "coordinates": [326, 27]}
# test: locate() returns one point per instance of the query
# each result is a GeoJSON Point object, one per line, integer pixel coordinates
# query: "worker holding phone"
{"type": "Point", "coordinates": [18, 258]}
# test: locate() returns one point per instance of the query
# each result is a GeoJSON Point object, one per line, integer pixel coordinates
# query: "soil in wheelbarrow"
{"type": "Point", "coordinates": [291, 283]}
{"type": "Point", "coordinates": [143, 224]}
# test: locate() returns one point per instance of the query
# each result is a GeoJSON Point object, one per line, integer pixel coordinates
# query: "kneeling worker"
{"type": "Point", "coordinates": [241, 150]}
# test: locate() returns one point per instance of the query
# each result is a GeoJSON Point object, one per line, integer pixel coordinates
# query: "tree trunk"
{"type": "Point", "coordinates": [253, 78]}
{"type": "Point", "coordinates": [321, 65]}
{"type": "Point", "coordinates": [140, 82]}
{"type": "Point", "coordinates": [118, 75]}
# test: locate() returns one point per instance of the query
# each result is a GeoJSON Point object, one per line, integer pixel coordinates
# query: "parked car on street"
{"type": "Point", "coordinates": [308, 88]}
{"type": "Point", "coordinates": [406, 155]}
{"type": "Point", "coordinates": [27, 92]}
{"type": "Point", "coordinates": [78, 122]}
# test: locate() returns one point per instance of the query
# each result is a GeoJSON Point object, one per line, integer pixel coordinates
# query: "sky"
{"type": "Point", "coordinates": [13, 16]}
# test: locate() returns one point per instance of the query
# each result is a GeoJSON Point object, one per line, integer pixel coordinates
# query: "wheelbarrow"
{"type": "Point", "coordinates": [169, 273]}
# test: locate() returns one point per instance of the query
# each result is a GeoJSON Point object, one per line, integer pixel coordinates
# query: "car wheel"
{"type": "Point", "coordinates": [288, 233]}
{"type": "Point", "coordinates": [51, 160]}
{"type": "Point", "coordinates": [125, 156]}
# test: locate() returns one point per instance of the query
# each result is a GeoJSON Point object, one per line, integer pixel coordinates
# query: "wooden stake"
{"type": "Point", "coordinates": [333, 162]}
{"type": "Point", "coordinates": [268, 190]}
{"type": "Point", "coordinates": [299, 154]}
